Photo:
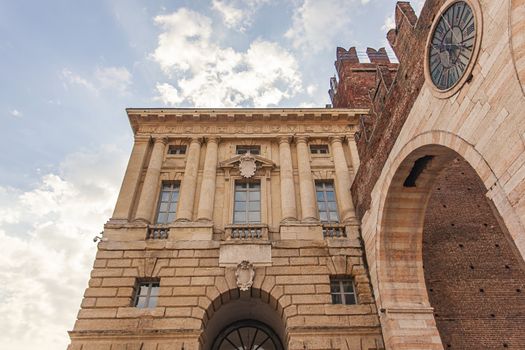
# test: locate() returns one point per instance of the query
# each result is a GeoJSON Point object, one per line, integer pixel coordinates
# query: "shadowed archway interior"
{"type": "Point", "coordinates": [473, 276]}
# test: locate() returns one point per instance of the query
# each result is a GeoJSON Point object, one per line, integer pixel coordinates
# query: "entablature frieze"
{"type": "Point", "coordinates": [249, 122]}
{"type": "Point", "coordinates": [137, 115]}
{"type": "Point", "coordinates": [241, 133]}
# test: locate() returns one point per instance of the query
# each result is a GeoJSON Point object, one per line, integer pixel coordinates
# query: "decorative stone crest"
{"type": "Point", "coordinates": [247, 165]}
{"type": "Point", "coordinates": [244, 274]}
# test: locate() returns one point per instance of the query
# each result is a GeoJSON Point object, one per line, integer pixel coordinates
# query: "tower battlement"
{"type": "Point", "coordinates": [357, 79]}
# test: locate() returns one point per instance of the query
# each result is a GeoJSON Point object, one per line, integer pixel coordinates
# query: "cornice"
{"type": "Point", "coordinates": [138, 116]}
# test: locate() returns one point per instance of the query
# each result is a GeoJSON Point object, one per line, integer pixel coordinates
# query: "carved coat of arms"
{"type": "Point", "coordinates": [247, 165]}
{"type": "Point", "coordinates": [244, 274]}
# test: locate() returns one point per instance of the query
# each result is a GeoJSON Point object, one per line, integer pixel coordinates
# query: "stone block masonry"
{"type": "Point", "coordinates": [193, 288]}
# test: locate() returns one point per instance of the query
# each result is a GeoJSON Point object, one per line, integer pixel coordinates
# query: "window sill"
{"type": "Point", "coordinates": [133, 312]}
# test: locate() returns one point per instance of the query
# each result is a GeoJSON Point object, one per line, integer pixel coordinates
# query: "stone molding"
{"type": "Point", "coordinates": [517, 39]}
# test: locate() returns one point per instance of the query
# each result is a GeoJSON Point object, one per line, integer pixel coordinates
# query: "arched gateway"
{"type": "Point", "coordinates": [449, 274]}
{"type": "Point", "coordinates": [247, 335]}
{"type": "Point", "coordinates": [245, 321]}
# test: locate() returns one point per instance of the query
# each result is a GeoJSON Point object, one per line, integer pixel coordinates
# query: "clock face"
{"type": "Point", "coordinates": [452, 45]}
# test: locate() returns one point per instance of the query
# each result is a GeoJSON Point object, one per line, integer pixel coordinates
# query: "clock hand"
{"type": "Point", "coordinates": [450, 28]}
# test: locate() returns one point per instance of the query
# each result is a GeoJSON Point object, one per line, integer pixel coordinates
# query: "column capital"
{"type": "Point", "coordinates": [351, 137]}
{"type": "Point", "coordinates": [285, 139]}
{"type": "Point", "coordinates": [301, 139]}
{"type": "Point", "coordinates": [334, 139]}
{"type": "Point", "coordinates": [214, 139]}
{"type": "Point", "coordinates": [196, 139]}
{"type": "Point", "coordinates": [161, 138]}
{"type": "Point", "coordinates": [142, 138]}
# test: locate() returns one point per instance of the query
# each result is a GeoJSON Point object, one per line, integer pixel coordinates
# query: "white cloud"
{"type": "Point", "coordinates": [72, 78]}
{"type": "Point", "coordinates": [237, 14]}
{"type": "Point", "coordinates": [168, 94]}
{"type": "Point", "coordinates": [390, 23]}
{"type": "Point", "coordinates": [15, 113]}
{"type": "Point", "coordinates": [47, 247]}
{"type": "Point", "coordinates": [210, 75]}
{"type": "Point", "coordinates": [231, 15]}
{"type": "Point", "coordinates": [117, 79]}
{"type": "Point", "coordinates": [311, 89]}
{"type": "Point", "coordinates": [317, 24]}
{"type": "Point", "coordinates": [113, 78]}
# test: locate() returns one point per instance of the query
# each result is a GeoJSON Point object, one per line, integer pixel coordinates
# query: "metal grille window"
{"type": "Point", "coordinates": [342, 290]}
{"type": "Point", "coordinates": [326, 201]}
{"type": "Point", "coordinates": [169, 197]}
{"type": "Point", "coordinates": [146, 294]}
{"type": "Point", "coordinates": [177, 149]}
{"type": "Point", "coordinates": [247, 204]}
{"type": "Point", "coordinates": [247, 335]}
{"type": "Point", "coordinates": [245, 149]}
{"type": "Point", "coordinates": [319, 149]}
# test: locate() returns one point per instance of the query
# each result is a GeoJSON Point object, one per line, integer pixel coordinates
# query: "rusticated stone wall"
{"type": "Point", "coordinates": [193, 287]}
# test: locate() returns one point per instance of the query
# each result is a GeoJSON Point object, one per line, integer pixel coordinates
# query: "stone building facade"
{"type": "Point", "coordinates": [394, 220]}
{"type": "Point", "coordinates": [285, 238]}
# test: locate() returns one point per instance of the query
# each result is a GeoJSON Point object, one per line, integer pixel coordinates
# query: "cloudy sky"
{"type": "Point", "coordinates": [70, 68]}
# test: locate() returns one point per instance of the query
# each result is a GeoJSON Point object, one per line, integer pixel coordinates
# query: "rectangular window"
{"type": "Point", "coordinates": [247, 203]}
{"type": "Point", "coordinates": [146, 294]}
{"type": "Point", "coordinates": [177, 149]}
{"type": "Point", "coordinates": [319, 149]}
{"type": "Point", "coordinates": [245, 149]}
{"type": "Point", "coordinates": [326, 201]}
{"type": "Point", "coordinates": [342, 290]}
{"type": "Point", "coordinates": [169, 197]}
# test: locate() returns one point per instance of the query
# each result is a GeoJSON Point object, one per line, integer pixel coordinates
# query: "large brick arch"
{"type": "Point", "coordinates": [397, 272]}
{"type": "Point", "coordinates": [517, 38]}
{"type": "Point", "coordinates": [474, 277]}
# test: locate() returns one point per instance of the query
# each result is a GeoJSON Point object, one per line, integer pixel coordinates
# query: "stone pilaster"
{"type": "Point", "coordinates": [288, 205]}
{"type": "Point", "coordinates": [306, 182]}
{"type": "Point", "coordinates": [207, 194]}
{"type": "Point", "coordinates": [342, 181]}
{"type": "Point", "coordinates": [130, 184]}
{"type": "Point", "coordinates": [353, 152]}
{"type": "Point", "coordinates": [189, 182]}
{"type": "Point", "coordinates": [151, 181]}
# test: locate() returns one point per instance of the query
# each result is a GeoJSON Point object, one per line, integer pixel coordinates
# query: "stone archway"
{"type": "Point", "coordinates": [517, 38]}
{"type": "Point", "coordinates": [252, 306]}
{"type": "Point", "coordinates": [400, 280]}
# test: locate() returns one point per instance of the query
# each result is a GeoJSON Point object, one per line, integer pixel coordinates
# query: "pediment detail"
{"type": "Point", "coordinates": [234, 162]}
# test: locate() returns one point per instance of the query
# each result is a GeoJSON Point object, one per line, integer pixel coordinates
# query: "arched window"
{"type": "Point", "coordinates": [247, 335]}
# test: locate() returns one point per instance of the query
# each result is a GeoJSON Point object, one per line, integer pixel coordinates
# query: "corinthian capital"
{"type": "Point", "coordinates": [336, 139]}
{"type": "Point", "coordinates": [301, 139]}
{"type": "Point", "coordinates": [285, 139]}
{"type": "Point", "coordinates": [214, 139]}
{"type": "Point", "coordinates": [196, 139]}
{"type": "Point", "coordinates": [161, 139]}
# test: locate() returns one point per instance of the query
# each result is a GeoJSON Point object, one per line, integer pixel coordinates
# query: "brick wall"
{"type": "Point", "coordinates": [474, 279]}
{"type": "Point", "coordinates": [390, 111]}
{"type": "Point", "coordinates": [357, 80]}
